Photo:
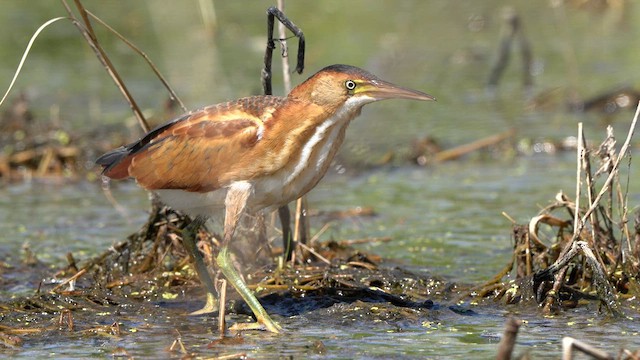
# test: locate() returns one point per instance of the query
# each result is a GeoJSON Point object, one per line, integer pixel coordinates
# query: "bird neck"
{"type": "Point", "coordinates": [318, 139]}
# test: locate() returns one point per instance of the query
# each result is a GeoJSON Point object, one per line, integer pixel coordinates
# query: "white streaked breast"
{"type": "Point", "coordinates": [325, 136]}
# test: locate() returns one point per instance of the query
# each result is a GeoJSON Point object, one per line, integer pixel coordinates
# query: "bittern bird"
{"type": "Point", "coordinates": [247, 155]}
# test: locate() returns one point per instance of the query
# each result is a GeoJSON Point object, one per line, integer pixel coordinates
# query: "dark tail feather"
{"type": "Point", "coordinates": [115, 163]}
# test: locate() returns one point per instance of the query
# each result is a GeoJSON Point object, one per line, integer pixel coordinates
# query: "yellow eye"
{"type": "Point", "coordinates": [350, 85]}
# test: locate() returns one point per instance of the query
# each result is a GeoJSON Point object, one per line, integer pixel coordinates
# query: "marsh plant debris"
{"type": "Point", "coordinates": [151, 270]}
{"type": "Point", "coordinates": [585, 248]}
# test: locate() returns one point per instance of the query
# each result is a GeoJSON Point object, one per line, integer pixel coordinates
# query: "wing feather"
{"type": "Point", "coordinates": [201, 151]}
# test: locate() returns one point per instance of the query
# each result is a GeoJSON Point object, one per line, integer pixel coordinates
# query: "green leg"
{"type": "Point", "coordinates": [227, 268]}
{"type": "Point", "coordinates": [189, 235]}
{"type": "Point", "coordinates": [236, 200]}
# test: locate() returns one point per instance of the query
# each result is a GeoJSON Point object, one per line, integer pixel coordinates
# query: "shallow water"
{"type": "Point", "coordinates": [445, 219]}
{"type": "Point", "coordinates": [454, 234]}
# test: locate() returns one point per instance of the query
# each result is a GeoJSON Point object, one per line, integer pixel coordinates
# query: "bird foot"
{"type": "Point", "coordinates": [210, 306]}
{"type": "Point", "coordinates": [268, 325]}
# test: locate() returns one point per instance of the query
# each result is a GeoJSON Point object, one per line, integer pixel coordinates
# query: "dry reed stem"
{"type": "Point", "coordinates": [222, 325]}
{"type": "Point", "coordinates": [87, 32]}
{"type": "Point", "coordinates": [458, 151]}
{"type": "Point", "coordinates": [613, 172]}
{"type": "Point", "coordinates": [551, 297]}
{"type": "Point", "coordinates": [315, 253]}
{"type": "Point", "coordinates": [351, 242]}
{"type": "Point", "coordinates": [69, 280]}
{"type": "Point", "coordinates": [602, 285]}
{"type": "Point", "coordinates": [26, 53]}
{"type": "Point", "coordinates": [508, 341]}
{"type": "Point", "coordinates": [577, 226]}
{"type": "Point", "coordinates": [593, 218]}
{"type": "Point", "coordinates": [568, 344]}
{"type": "Point", "coordinates": [146, 58]}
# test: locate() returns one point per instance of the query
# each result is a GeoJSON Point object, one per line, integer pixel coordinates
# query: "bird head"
{"type": "Point", "coordinates": [336, 86]}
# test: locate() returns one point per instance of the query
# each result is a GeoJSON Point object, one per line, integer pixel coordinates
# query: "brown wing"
{"type": "Point", "coordinates": [196, 152]}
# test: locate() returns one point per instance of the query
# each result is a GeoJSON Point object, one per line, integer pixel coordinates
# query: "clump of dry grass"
{"type": "Point", "coordinates": [582, 247]}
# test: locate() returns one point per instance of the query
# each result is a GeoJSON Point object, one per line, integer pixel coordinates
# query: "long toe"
{"type": "Point", "coordinates": [210, 306]}
{"type": "Point", "coordinates": [268, 325]}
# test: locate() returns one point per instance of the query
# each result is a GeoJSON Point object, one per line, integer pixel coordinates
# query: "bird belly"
{"type": "Point", "coordinates": [207, 204]}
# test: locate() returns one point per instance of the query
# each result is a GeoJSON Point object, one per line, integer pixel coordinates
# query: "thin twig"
{"type": "Point", "coordinates": [458, 151]}
{"type": "Point", "coordinates": [286, 78]}
{"type": "Point", "coordinates": [577, 226]}
{"type": "Point", "coordinates": [146, 58]}
{"type": "Point", "coordinates": [350, 242]}
{"type": "Point", "coordinates": [579, 156]}
{"type": "Point", "coordinates": [222, 326]}
{"type": "Point", "coordinates": [593, 218]}
{"type": "Point", "coordinates": [315, 253]}
{"type": "Point", "coordinates": [607, 184]}
{"type": "Point", "coordinates": [603, 287]}
{"type": "Point", "coordinates": [69, 280]}
{"type": "Point", "coordinates": [614, 170]}
{"type": "Point", "coordinates": [26, 53]}
{"type": "Point", "coordinates": [317, 235]}
{"type": "Point", "coordinates": [623, 200]}
{"type": "Point", "coordinates": [300, 229]}
{"type": "Point", "coordinates": [273, 13]}
{"type": "Point", "coordinates": [568, 344]}
{"type": "Point", "coordinates": [92, 40]}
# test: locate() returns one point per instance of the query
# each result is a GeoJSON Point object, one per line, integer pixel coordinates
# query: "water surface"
{"type": "Point", "coordinates": [445, 219]}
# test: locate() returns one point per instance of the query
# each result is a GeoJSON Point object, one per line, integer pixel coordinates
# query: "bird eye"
{"type": "Point", "coordinates": [350, 84]}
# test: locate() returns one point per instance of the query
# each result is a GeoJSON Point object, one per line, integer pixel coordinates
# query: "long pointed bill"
{"type": "Point", "coordinates": [381, 90]}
